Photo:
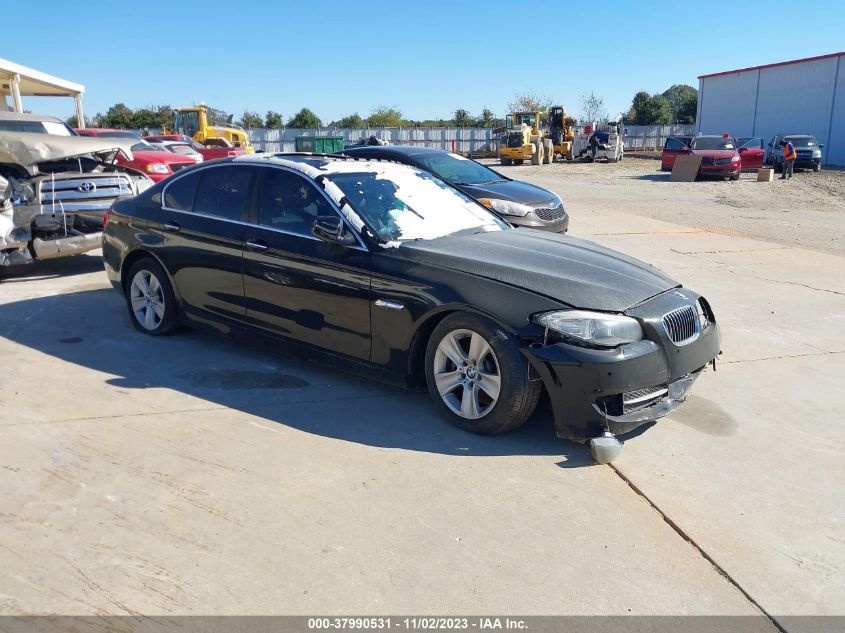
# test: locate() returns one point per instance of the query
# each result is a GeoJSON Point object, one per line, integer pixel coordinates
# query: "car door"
{"type": "Point", "coordinates": [297, 285]}
{"type": "Point", "coordinates": [752, 154]}
{"type": "Point", "coordinates": [202, 225]}
{"type": "Point", "coordinates": [672, 149]}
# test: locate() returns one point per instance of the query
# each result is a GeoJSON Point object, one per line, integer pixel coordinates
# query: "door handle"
{"type": "Point", "coordinates": [172, 227]}
{"type": "Point", "coordinates": [257, 245]}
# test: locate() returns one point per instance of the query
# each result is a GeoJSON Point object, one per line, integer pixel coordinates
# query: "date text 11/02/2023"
{"type": "Point", "coordinates": [417, 623]}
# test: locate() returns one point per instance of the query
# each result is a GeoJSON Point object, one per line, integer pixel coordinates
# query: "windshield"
{"type": "Point", "coordinates": [56, 128]}
{"type": "Point", "coordinates": [412, 205]}
{"type": "Point", "coordinates": [145, 147]}
{"type": "Point", "coordinates": [181, 149]}
{"type": "Point", "coordinates": [714, 143]}
{"type": "Point", "coordinates": [118, 135]}
{"type": "Point", "coordinates": [801, 141]}
{"type": "Point", "coordinates": [457, 169]}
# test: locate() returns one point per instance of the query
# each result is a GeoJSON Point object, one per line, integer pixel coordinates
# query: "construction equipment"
{"type": "Point", "coordinates": [610, 145]}
{"type": "Point", "coordinates": [560, 132]}
{"type": "Point", "coordinates": [524, 140]}
{"type": "Point", "coordinates": [193, 122]}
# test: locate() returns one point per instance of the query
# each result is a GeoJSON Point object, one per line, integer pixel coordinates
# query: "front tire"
{"type": "Point", "coordinates": [477, 376]}
{"type": "Point", "coordinates": [505, 161]}
{"type": "Point", "coordinates": [150, 299]}
{"type": "Point", "coordinates": [817, 167]}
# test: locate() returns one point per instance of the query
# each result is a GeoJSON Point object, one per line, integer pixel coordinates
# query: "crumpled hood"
{"type": "Point", "coordinates": [29, 149]}
{"type": "Point", "coordinates": [577, 272]}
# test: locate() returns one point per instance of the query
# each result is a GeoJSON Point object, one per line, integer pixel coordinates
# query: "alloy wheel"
{"type": "Point", "coordinates": [466, 373]}
{"type": "Point", "coordinates": [146, 296]}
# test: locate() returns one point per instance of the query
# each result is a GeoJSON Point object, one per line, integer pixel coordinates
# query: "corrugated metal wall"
{"type": "Point", "coordinates": [806, 97]}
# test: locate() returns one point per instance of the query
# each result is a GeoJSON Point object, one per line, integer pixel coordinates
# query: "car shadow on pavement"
{"type": "Point", "coordinates": [662, 176]}
{"type": "Point", "coordinates": [52, 268]}
{"type": "Point", "coordinates": [91, 329]}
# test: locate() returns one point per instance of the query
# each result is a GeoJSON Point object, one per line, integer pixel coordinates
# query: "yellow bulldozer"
{"type": "Point", "coordinates": [193, 122]}
{"type": "Point", "coordinates": [526, 138]}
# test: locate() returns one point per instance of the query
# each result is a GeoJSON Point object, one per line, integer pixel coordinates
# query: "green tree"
{"type": "Point", "coordinates": [305, 119]}
{"type": "Point", "coordinates": [250, 120]}
{"type": "Point", "coordinates": [486, 119]}
{"type": "Point", "coordinates": [145, 118]}
{"type": "Point", "coordinates": [683, 101]}
{"type": "Point", "coordinates": [529, 102]}
{"type": "Point", "coordinates": [72, 121]}
{"type": "Point", "coordinates": [384, 116]}
{"type": "Point", "coordinates": [462, 118]}
{"type": "Point", "coordinates": [273, 120]}
{"type": "Point", "coordinates": [164, 117]}
{"type": "Point", "coordinates": [353, 121]}
{"type": "Point", "coordinates": [647, 109]}
{"type": "Point", "coordinates": [118, 116]}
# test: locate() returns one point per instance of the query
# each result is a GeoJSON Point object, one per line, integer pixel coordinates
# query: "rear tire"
{"type": "Point", "coordinates": [477, 376]}
{"type": "Point", "coordinates": [150, 299]}
{"type": "Point", "coordinates": [505, 161]}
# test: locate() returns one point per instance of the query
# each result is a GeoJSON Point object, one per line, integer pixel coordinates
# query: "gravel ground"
{"type": "Point", "coordinates": [807, 211]}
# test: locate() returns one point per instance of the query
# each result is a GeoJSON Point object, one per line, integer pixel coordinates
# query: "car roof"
{"type": "Point", "coordinates": [315, 165]}
{"type": "Point", "coordinates": [18, 116]}
{"type": "Point", "coordinates": [403, 150]}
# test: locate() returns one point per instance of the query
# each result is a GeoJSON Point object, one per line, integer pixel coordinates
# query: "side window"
{"type": "Point", "coordinates": [223, 191]}
{"type": "Point", "coordinates": [179, 194]}
{"type": "Point", "coordinates": [673, 143]}
{"type": "Point", "coordinates": [289, 202]}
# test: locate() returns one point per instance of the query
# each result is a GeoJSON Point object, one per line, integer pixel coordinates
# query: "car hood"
{"type": "Point", "coordinates": [577, 272]}
{"type": "Point", "coordinates": [28, 148]}
{"type": "Point", "coordinates": [512, 191]}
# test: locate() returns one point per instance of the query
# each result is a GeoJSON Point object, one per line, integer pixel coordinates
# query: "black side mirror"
{"type": "Point", "coordinates": [330, 229]}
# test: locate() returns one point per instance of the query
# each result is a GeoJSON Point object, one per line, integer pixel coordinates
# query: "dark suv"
{"type": "Point", "coordinates": [807, 148]}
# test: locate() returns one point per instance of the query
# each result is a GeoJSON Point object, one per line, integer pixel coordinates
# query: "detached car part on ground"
{"type": "Point", "coordinates": [54, 192]}
{"type": "Point", "coordinates": [385, 268]}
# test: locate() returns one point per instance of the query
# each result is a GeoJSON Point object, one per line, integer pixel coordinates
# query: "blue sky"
{"type": "Point", "coordinates": [426, 58]}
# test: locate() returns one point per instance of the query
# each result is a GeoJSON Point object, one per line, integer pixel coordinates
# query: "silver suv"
{"type": "Point", "coordinates": [55, 187]}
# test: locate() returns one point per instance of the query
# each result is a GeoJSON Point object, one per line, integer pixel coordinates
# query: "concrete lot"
{"type": "Point", "coordinates": [194, 475]}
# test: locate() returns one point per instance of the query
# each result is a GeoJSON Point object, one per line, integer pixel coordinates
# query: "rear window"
{"type": "Point", "coordinates": [223, 191]}
{"type": "Point", "coordinates": [55, 128]}
{"type": "Point", "coordinates": [179, 194]}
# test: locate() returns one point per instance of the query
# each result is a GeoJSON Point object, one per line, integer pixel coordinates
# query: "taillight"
{"type": "Point", "coordinates": [231, 153]}
{"type": "Point", "coordinates": [106, 217]}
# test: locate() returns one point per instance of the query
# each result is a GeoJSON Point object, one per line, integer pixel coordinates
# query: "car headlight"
{"type": "Point", "coordinates": [817, 153]}
{"type": "Point", "coordinates": [158, 168]}
{"type": "Point", "coordinates": [592, 328]}
{"type": "Point", "coordinates": [506, 207]}
{"type": "Point", "coordinates": [734, 159]}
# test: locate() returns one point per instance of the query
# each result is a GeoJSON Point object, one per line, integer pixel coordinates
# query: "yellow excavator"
{"type": "Point", "coordinates": [561, 132]}
{"type": "Point", "coordinates": [524, 140]}
{"type": "Point", "coordinates": [193, 122]}
{"type": "Point", "coordinates": [525, 137]}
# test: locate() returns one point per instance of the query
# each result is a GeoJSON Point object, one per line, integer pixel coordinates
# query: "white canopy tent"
{"type": "Point", "coordinates": [17, 81]}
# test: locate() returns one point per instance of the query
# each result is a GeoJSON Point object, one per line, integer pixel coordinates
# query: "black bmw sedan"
{"type": "Point", "coordinates": [384, 267]}
{"type": "Point", "coordinates": [520, 203]}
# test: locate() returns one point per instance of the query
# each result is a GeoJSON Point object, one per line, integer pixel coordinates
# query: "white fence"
{"type": "Point", "coordinates": [465, 140]}
{"type": "Point", "coordinates": [643, 137]}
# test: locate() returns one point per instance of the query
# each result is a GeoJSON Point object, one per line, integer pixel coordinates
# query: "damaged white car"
{"type": "Point", "coordinates": [55, 191]}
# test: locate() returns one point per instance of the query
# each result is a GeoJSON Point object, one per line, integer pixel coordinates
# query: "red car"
{"type": "Point", "coordinates": [208, 153]}
{"type": "Point", "coordinates": [752, 152]}
{"type": "Point", "coordinates": [157, 163]}
{"type": "Point", "coordinates": [719, 156]}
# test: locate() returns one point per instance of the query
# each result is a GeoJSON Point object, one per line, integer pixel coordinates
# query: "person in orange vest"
{"type": "Point", "coordinates": [788, 159]}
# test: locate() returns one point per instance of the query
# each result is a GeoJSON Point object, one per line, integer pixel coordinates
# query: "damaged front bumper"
{"type": "Point", "coordinates": [596, 390]}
